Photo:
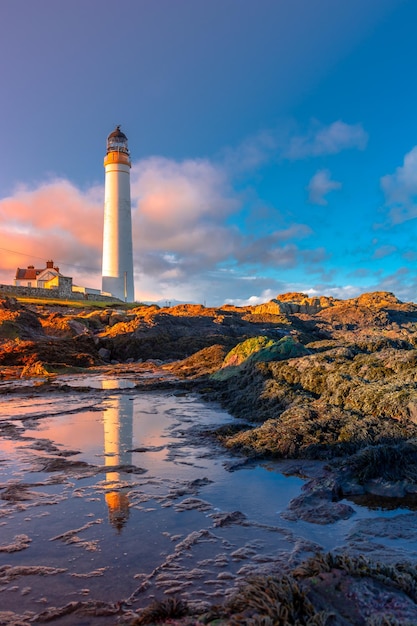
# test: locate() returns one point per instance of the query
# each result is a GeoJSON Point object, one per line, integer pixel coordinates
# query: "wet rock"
{"type": "Point", "coordinates": [244, 552]}
{"type": "Point", "coordinates": [60, 464]}
{"type": "Point", "coordinates": [190, 504]}
{"type": "Point", "coordinates": [317, 511]}
{"type": "Point", "coordinates": [227, 519]}
{"type": "Point", "coordinates": [9, 573]}
{"type": "Point", "coordinates": [20, 542]}
{"type": "Point", "coordinates": [147, 449]}
{"type": "Point", "coordinates": [191, 487]}
{"type": "Point", "coordinates": [104, 354]}
{"type": "Point", "coordinates": [71, 537]}
{"type": "Point", "coordinates": [195, 537]}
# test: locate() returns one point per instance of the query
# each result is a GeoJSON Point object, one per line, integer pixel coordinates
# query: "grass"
{"type": "Point", "coordinates": [79, 304]}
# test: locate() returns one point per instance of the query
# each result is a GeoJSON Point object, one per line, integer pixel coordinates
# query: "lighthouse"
{"type": "Point", "coordinates": [117, 268]}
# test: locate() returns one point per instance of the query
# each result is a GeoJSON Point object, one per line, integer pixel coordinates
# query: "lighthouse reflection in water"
{"type": "Point", "coordinates": [118, 433]}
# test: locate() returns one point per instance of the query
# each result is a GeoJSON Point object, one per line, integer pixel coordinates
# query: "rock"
{"type": "Point", "coordinates": [309, 377]}
{"type": "Point", "coordinates": [117, 317]}
{"type": "Point", "coordinates": [295, 303]}
{"type": "Point", "coordinates": [317, 510]}
{"type": "Point", "coordinates": [203, 362]}
{"type": "Point", "coordinates": [256, 350]}
{"type": "Point", "coordinates": [227, 519]}
{"type": "Point", "coordinates": [386, 489]}
{"type": "Point", "coordinates": [104, 354]}
{"type": "Point", "coordinates": [35, 369]}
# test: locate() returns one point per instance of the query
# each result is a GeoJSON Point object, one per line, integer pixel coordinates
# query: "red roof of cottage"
{"type": "Point", "coordinates": [31, 273]}
{"type": "Point", "coordinates": [27, 274]}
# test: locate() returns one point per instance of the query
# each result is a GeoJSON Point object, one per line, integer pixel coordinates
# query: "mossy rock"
{"type": "Point", "coordinates": [389, 462]}
{"type": "Point", "coordinates": [259, 349]}
{"type": "Point", "coordinates": [9, 330]}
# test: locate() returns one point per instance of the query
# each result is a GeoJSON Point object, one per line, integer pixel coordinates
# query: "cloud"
{"type": "Point", "coordinates": [384, 251]}
{"type": "Point", "coordinates": [180, 213]}
{"type": "Point", "coordinates": [53, 221]}
{"type": "Point", "coordinates": [410, 255]}
{"type": "Point", "coordinates": [323, 140]}
{"type": "Point", "coordinates": [171, 194]}
{"type": "Point", "coordinates": [342, 292]}
{"type": "Point", "coordinates": [402, 283]}
{"type": "Point", "coordinates": [182, 228]}
{"type": "Point", "coordinates": [320, 185]}
{"type": "Point", "coordinates": [188, 241]}
{"type": "Point", "coordinates": [361, 272]}
{"type": "Point", "coordinates": [200, 230]}
{"type": "Point", "coordinates": [400, 189]}
{"type": "Point", "coordinates": [265, 296]}
{"type": "Point", "coordinates": [274, 250]}
{"type": "Point", "coordinates": [256, 150]}
{"type": "Point", "coordinates": [284, 142]}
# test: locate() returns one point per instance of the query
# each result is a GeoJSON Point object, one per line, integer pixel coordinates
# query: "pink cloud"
{"type": "Point", "coordinates": [53, 221]}
{"type": "Point", "coordinates": [175, 195]}
{"type": "Point", "coordinates": [183, 238]}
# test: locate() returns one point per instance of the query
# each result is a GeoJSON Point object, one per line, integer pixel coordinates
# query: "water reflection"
{"type": "Point", "coordinates": [118, 433]}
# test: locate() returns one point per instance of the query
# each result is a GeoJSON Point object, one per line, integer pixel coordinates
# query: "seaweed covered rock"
{"type": "Point", "coordinates": [323, 405]}
{"type": "Point", "coordinates": [258, 350]}
{"type": "Point", "coordinates": [327, 590]}
{"type": "Point", "coordinates": [203, 362]}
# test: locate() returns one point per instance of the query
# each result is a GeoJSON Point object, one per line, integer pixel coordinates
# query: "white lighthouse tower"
{"type": "Point", "coordinates": [117, 268]}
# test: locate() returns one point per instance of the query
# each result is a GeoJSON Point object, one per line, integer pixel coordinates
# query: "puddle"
{"type": "Point", "coordinates": [118, 492]}
{"type": "Point", "coordinates": [115, 496]}
{"type": "Point", "coordinates": [98, 382]}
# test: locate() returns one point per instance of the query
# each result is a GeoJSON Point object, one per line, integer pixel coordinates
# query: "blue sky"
{"type": "Point", "coordinates": [273, 142]}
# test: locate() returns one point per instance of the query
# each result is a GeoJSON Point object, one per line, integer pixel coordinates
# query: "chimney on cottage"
{"type": "Point", "coordinates": [50, 265]}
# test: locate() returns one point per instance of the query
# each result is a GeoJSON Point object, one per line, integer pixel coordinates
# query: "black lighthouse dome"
{"type": "Point", "coordinates": [117, 141]}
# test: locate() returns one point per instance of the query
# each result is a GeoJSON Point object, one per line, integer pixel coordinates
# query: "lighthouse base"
{"type": "Point", "coordinates": [120, 287]}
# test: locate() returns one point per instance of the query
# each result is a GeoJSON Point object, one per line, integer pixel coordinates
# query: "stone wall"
{"type": "Point", "coordinates": [64, 293]}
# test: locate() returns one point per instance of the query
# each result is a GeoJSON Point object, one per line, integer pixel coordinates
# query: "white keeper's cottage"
{"type": "Point", "coordinates": [48, 277]}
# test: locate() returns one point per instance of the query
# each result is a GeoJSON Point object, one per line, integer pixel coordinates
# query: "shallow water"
{"type": "Point", "coordinates": [119, 494]}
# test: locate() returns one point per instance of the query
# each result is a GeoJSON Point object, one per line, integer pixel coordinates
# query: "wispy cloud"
{"type": "Point", "coordinates": [384, 251]}
{"type": "Point", "coordinates": [257, 150]}
{"type": "Point", "coordinates": [401, 282]}
{"type": "Point", "coordinates": [400, 189]}
{"type": "Point", "coordinates": [320, 185]}
{"type": "Point", "coordinates": [322, 140]}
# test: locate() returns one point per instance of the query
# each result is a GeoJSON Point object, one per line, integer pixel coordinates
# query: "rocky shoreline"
{"type": "Point", "coordinates": [307, 378]}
